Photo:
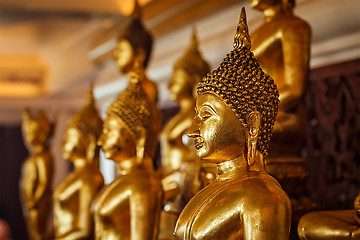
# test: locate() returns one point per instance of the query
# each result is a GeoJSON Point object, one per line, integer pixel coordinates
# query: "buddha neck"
{"type": "Point", "coordinates": [238, 167]}
{"type": "Point", "coordinates": [129, 165]}
{"type": "Point", "coordinates": [272, 11]}
{"type": "Point", "coordinates": [37, 149]}
{"type": "Point", "coordinates": [79, 163]}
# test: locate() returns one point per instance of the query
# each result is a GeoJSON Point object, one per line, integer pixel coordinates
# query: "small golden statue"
{"type": "Point", "coordinates": [235, 111]}
{"type": "Point", "coordinates": [130, 206]}
{"type": "Point", "coordinates": [179, 161]}
{"type": "Point", "coordinates": [37, 171]}
{"type": "Point", "coordinates": [73, 197]}
{"type": "Point", "coordinates": [134, 41]}
{"type": "Point", "coordinates": [282, 47]}
{"type": "Point", "coordinates": [339, 225]}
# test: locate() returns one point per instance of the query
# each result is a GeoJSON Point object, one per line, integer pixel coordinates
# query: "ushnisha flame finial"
{"type": "Point", "coordinates": [192, 61]}
{"type": "Point", "coordinates": [90, 95]}
{"type": "Point", "coordinates": [241, 83]}
{"type": "Point", "coordinates": [242, 37]}
{"type": "Point", "coordinates": [137, 11]}
{"type": "Point", "coordinates": [194, 41]}
{"type": "Point", "coordinates": [87, 120]}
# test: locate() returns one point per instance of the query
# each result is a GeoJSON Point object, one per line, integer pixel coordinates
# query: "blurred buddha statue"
{"type": "Point", "coordinates": [73, 197]}
{"type": "Point", "coordinates": [129, 207]}
{"type": "Point", "coordinates": [36, 175]}
{"type": "Point", "coordinates": [282, 47]}
{"type": "Point", "coordinates": [334, 225]}
{"type": "Point", "coordinates": [235, 111]}
{"type": "Point", "coordinates": [134, 41]}
{"type": "Point", "coordinates": [180, 164]}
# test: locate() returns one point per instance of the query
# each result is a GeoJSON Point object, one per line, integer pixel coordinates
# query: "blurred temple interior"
{"type": "Point", "coordinates": [51, 52]}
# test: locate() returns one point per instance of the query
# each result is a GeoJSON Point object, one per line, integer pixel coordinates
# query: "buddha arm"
{"type": "Point", "coordinates": [145, 210]}
{"type": "Point", "coordinates": [69, 191]}
{"type": "Point", "coordinates": [268, 219]}
{"type": "Point", "coordinates": [84, 220]}
{"type": "Point", "coordinates": [179, 130]}
{"type": "Point", "coordinates": [295, 42]}
{"type": "Point", "coordinates": [28, 183]}
{"type": "Point", "coordinates": [43, 179]}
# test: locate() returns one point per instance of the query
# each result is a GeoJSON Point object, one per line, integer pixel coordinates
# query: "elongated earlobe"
{"type": "Point", "coordinates": [90, 149]}
{"type": "Point", "coordinates": [140, 144]}
{"type": "Point", "coordinates": [253, 120]}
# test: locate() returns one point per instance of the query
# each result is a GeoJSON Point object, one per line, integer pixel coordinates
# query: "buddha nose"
{"type": "Point", "coordinates": [100, 141]}
{"type": "Point", "coordinates": [193, 130]}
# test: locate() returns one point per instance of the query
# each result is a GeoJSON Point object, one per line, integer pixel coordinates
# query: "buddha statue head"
{"type": "Point", "coordinates": [357, 204]}
{"type": "Point", "coordinates": [83, 130]}
{"type": "Point", "coordinates": [133, 40]}
{"type": "Point", "coordinates": [188, 70]}
{"type": "Point", "coordinates": [36, 130]}
{"type": "Point", "coordinates": [265, 4]}
{"type": "Point", "coordinates": [132, 124]}
{"type": "Point", "coordinates": [236, 107]}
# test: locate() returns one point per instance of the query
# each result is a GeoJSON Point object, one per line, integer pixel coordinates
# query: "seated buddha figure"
{"type": "Point", "coordinates": [188, 70]}
{"type": "Point", "coordinates": [129, 207]}
{"type": "Point", "coordinates": [134, 41]}
{"type": "Point", "coordinates": [180, 164]}
{"type": "Point", "coordinates": [74, 195]}
{"type": "Point", "coordinates": [334, 225]}
{"type": "Point", "coordinates": [282, 47]}
{"type": "Point", "coordinates": [236, 108]}
{"type": "Point", "coordinates": [36, 174]}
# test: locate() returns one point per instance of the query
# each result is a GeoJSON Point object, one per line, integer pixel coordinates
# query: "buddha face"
{"type": "Point", "coordinates": [34, 133]}
{"type": "Point", "coordinates": [263, 4]}
{"type": "Point", "coordinates": [179, 85]}
{"type": "Point", "coordinates": [73, 146]}
{"type": "Point", "coordinates": [116, 140]}
{"type": "Point", "coordinates": [357, 204]}
{"type": "Point", "coordinates": [124, 55]}
{"type": "Point", "coordinates": [218, 134]}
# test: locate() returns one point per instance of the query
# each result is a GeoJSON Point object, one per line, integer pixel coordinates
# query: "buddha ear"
{"type": "Point", "coordinates": [140, 143]}
{"type": "Point", "coordinates": [253, 128]}
{"type": "Point", "coordinates": [91, 147]}
{"type": "Point", "coordinates": [140, 54]}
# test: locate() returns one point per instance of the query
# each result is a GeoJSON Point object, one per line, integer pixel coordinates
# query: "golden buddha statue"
{"type": "Point", "coordinates": [282, 47]}
{"type": "Point", "coordinates": [180, 164]}
{"type": "Point", "coordinates": [235, 111]}
{"type": "Point", "coordinates": [36, 174]}
{"type": "Point", "coordinates": [73, 197]}
{"type": "Point", "coordinates": [130, 206]}
{"type": "Point", "coordinates": [134, 41]}
{"type": "Point", "coordinates": [334, 225]}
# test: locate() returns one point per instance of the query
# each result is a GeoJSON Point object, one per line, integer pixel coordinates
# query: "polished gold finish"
{"type": "Point", "coordinates": [73, 197]}
{"type": "Point", "coordinates": [335, 225]}
{"type": "Point", "coordinates": [236, 109]}
{"type": "Point", "coordinates": [129, 207]}
{"type": "Point", "coordinates": [180, 164]}
{"type": "Point", "coordinates": [282, 46]}
{"type": "Point", "coordinates": [188, 70]}
{"type": "Point", "coordinates": [36, 175]}
{"type": "Point", "coordinates": [134, 41]}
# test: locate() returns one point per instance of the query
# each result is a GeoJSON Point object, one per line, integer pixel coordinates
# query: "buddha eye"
{"type": "Point", "coordinates": [205, 115]}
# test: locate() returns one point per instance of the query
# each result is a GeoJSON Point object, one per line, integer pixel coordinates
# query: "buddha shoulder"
{"type": "Point", "coordinates": [225, 202]}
